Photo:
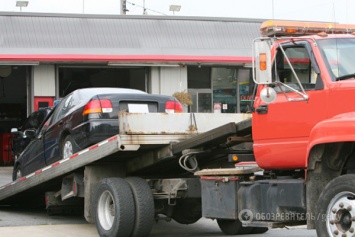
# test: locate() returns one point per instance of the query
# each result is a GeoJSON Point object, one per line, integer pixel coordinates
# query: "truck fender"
{"type": "Point", "coordinates": [340, 128]}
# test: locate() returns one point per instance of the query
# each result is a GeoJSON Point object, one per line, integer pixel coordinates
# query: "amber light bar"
{"type": "Point", "coordinates": [294, 28]}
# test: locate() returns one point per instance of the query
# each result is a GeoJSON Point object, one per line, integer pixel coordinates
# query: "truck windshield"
{"type": "Point", "coordinates": [339, 54]}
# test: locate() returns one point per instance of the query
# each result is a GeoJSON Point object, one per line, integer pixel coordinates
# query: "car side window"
{"type": "Point", "coordinates": [35, 120]}
{"type": "Point", "coordinates": [63, 108]}
{"type": "Point", "coordinates": [46, 124]}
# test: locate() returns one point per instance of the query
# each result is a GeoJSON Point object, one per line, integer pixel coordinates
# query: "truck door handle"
{"type": "Point", "coordinates": [263, 109]}
{"type": "Point", "coordinates": [60, 122]}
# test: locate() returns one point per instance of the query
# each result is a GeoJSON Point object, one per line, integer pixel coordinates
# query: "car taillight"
{"type": "Point", "coordinates": [173, 107]}
{"type": "Point", "coordinates": [98, 106]}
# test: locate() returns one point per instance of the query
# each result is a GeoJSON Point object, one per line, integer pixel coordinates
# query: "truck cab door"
{"type": "Point", "coordinates": [281, 129]}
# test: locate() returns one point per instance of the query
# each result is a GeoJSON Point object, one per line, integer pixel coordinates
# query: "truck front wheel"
{"type": "Point", "coordinates": [335, 211]}
{"type": "Point", "coordinates": [114, 208]}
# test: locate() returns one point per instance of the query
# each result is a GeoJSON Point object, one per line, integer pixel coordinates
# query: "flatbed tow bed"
{"type": "Point", "coordinates": [148, 152]}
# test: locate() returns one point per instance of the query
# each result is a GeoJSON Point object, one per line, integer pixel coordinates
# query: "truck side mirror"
{"type": "Point", "coordinates": [262, 61]}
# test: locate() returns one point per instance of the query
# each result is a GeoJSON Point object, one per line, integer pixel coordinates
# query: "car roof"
{"type": "Point", "coordinates": [100, 90]}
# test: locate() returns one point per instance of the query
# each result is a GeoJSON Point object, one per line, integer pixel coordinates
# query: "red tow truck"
{"type": "Point", "coordinates": [303, 132]}
{"type": "Point", "coordinates": [290, 162]}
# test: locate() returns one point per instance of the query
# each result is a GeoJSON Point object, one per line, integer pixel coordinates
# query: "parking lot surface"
{"type": "Point", "coordinates": [30, 222]}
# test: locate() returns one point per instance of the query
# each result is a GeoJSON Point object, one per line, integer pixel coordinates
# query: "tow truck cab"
{"type": "Point", "coordinates": [312, 96]}
{"type": "Point", "coordinates": [303, 127]}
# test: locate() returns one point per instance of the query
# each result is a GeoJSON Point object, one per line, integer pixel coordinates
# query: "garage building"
{"type": "Point", "coordinates": [44, 57]}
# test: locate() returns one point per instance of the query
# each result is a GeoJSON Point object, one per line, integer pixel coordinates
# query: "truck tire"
{"type": "Point", "coordinates": [259, 230]}
{"type": "Point", "coordinates": [233, 227]}
{"type": "Point", "coordinates": [17, 172]}
{"type": "Point", "coordinates": [335, 210]}
{"type": "Point", "coordinates": [187, 211]}
{"type": "Point", "coordinates": [114, 208]}
{"type": "Point", "coordinates": [144, 206]}
{"type": "Point", "coordinates": [67, 147]}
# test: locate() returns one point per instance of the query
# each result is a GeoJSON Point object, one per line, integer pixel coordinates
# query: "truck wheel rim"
{"type": "Point", "coordinates": [106, 210]}
{"type": "Point", "coordinates": [341, 215]}
{"type": "Point", "coordinates": [67, 149]}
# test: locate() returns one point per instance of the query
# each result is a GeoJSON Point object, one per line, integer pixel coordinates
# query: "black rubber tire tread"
{"type": "Point", "coordinates": [187, 211]}
{"type": "Point", "coordinates": [14, 172]}
{"type": "Point", "coordinates": [259, 230]}
{"type": "Point", "coordinates": [233, 227]}
{"type": "Point", "coordinates": [144, 207]}
{"type": "Point", "coordinates": [124, 207]}
{"type": "Point", "coordinates": [334, 187]}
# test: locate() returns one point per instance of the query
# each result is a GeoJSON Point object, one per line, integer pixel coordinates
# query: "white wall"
{"type": "Point", "coordinates": [44, 80]}
{"type": "Point", "coordinates": [167, 80]}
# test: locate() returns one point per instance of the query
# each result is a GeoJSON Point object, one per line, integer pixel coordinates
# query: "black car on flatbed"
{"type": "Point", "coordinates": [83, 118]}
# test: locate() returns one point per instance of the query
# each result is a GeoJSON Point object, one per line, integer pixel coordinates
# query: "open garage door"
{"type": "Point", "coordinates": [13, 99]}
{"type": "Point", "coordinates": [13, 106]}
{"type": "Point", "coordinates": [73, 77]}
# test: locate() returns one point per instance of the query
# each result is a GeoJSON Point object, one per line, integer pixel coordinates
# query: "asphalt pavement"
{"type": "Point", "coordinates": [19, 222]}
{"type": "Point", "coordinates": [203, 228]}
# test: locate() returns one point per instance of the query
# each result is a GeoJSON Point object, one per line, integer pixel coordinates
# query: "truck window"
{"type": "Point", "coordinates": [301, 64]}
{"type": "Point", "coordinates": [338, 54]}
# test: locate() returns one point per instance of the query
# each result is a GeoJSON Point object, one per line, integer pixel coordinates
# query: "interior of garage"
{"type": "Point", "coordinates": [220, 89]}
{"type": "Point", "coordinates": [13, 105]}
{"type": "Point", "coordinates": [13, 96]}
{"type": "Point", "coordinates": [72, 78]}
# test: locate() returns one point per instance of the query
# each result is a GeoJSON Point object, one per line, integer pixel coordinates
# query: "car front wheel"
{"type": "Point", "coordinates": [17, 172]}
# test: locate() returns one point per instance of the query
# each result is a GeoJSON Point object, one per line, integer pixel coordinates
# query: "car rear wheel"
{"type": "Point", "coordinates": [67, 147]}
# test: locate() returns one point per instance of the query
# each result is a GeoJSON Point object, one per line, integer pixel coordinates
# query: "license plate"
{"type": "Point", "coordinates": [138, 108]}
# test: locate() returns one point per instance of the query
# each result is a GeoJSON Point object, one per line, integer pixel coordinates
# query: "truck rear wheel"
{"type": "Point", "coordinates": [144, 206]}
{"type": "Point", "coordinates": [335, 211]}
{"type": "Point", "coordinates": [233, 227]}
{"type": "Point", "coordinates": [114, 208]}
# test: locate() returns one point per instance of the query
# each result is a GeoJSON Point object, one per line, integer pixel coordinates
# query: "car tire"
{"type": "Point", "coordinates": [114, 208]}
{"type": "Point", "coordinates": [335, 210]}
{"type": "Point", "coordinates": [17, 172]}
{"type": "Point", "coordinates": [233, 227]}
{"type": "Point", "coordinates": [144, 206]}
{"type": "Point", "coordinates": [67, 147]}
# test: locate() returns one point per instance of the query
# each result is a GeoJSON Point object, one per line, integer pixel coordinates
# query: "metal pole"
{"type": "Point", "coordinates": [123, 7]}
{"type": "Point", "coordinates": [144, 9]}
